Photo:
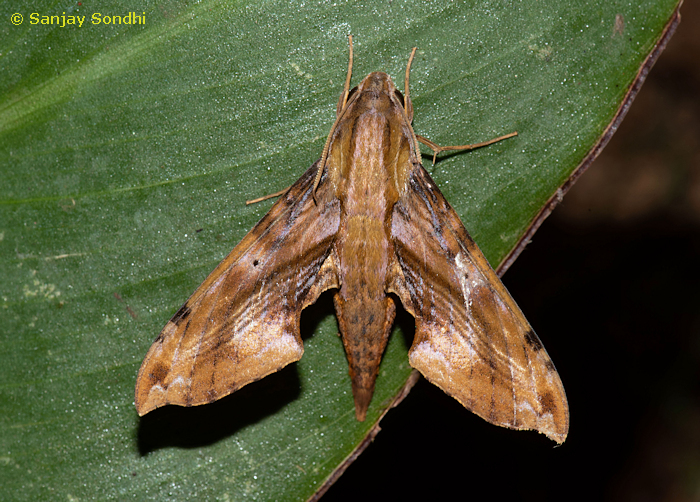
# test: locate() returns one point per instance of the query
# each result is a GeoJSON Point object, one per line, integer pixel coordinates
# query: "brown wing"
{"type": "Point", "coordinates": [242, 323]}
{"type": "Point", "coordinates": [471, 338]}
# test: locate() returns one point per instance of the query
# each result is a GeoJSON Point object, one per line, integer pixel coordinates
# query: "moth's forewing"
{"type": "Point", "coordinates": [471, 338]}
{"type": "Point", "coordinates": [242, 323]}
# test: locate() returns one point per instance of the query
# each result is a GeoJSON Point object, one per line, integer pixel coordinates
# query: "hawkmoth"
{"type": "Point", "coordinates": [367, 221]}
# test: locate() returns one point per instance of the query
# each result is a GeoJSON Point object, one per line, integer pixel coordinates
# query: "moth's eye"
{"type": "Point", "coordinates": [399, 96]}
{"type": "Point", "coordinates": [352, 91]}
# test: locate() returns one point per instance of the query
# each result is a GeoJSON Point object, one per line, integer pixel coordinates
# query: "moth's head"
{"type": "Point", "coordinates": [377, 84]}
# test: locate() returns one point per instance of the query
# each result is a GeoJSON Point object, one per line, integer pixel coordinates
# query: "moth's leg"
{"type": "Point", "coordinates": [437, 148]}
{"type": "Point", "coordinates": [265, 197]}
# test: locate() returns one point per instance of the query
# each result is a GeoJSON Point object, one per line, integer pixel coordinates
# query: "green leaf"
{"type": "Point", "coordinates": [127, 152]}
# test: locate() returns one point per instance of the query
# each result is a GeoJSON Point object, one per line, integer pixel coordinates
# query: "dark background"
{"type": "Point", "coordinates": [611, 283]}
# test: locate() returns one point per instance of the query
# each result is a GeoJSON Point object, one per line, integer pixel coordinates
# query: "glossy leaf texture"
{"type": "Point", "coordinates": [126, 155]}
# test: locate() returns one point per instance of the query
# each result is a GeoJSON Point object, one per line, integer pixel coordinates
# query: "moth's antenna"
{"type": "Point", "coordinates": [324, 155]}
{"type": "Point", "coordinates": [346, 89]}
{"type": "Point", "coordinates": [408, 73]}
{"type": "Point", "coordinates": [408, 106]}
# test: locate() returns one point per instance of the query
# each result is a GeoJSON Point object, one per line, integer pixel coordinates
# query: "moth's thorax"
{"type": "Point", "coordinates": [371, 148]}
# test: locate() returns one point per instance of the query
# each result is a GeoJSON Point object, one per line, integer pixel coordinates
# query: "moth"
{"type": "Point", "coordinates": [367, 221]}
